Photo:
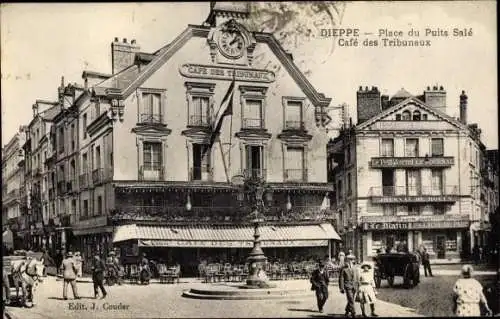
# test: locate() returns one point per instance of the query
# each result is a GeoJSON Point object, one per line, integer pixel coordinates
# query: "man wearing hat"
{"type": "Point", "coordinates": [98, 268]}
{"type": "Point", "coordinates": [69, 271]}
{"type": "Point", "coordinates": [319, 281]}
{"type": "Point", "coordinates": [347, 285]}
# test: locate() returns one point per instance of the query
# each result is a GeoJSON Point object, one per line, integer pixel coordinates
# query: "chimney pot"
{"type": "Point", "coordinates": [435, 88]}
{"type": "Point", "coordinates": [360, 88]}
{"type": "Point", "coordinates": [116, 39]}
{"type": "Point", "coordinates": [428, 88]}
{"type": "Point", "coordinates": [366, 88]}
{"type": "Point", "coordinates": [132, 42]}
{"type": "Point", "coordinates": [124, 40]}
{"type": "Point", "coordinates": [441, 88]}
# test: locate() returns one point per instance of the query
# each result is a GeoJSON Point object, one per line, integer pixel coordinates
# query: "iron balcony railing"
{"type": "Point", "coordinates": [249, 123]}
{"type": "Point", "coordinates": [98, 176]}
{"type": "Point", "coordinates": [199, 121]}
{"type": "Point", "coordinates": [84, 180]}
{"type": "Point", "coordinates": [296, 175]}
{"type": "Point", "coordinates": [151, 173]}
{"type": "Point", "coordinates": [148, 118]}
{"type": "Point", "coordinates": [61, 187]}
{"type": "Point", "coordinates": [294, 125]}
{"type": "Point", "coordinates": [255, 173]}
{"type": "Point", "coordinates": [202, 173]}
{"type": "Point", "coordinates": [412, 191]}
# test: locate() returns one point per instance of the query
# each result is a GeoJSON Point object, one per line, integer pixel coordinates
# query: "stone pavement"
{"type": "Point", "coordinates": [165, 300]}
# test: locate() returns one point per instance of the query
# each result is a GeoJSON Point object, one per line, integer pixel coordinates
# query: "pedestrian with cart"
{"type": "Point", "coordinates": [319, 280]}
{"type": "Point", "coordinates": [347, 285]}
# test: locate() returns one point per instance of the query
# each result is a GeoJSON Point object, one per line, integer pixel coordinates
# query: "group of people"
{"type": "Point", "coordinates": [356, 288]}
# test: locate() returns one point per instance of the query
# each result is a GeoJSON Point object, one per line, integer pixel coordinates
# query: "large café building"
{"type": "Point", "coordinates": [147, 182]}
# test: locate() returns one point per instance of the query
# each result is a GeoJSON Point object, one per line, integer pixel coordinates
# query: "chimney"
{"type": "Point", "coordinates": [368, 103]}
{"type": "Point", "coordinates": [463, 108]}
{"type": "Point", "coordinates": [35, 109]}
{"type": "Point", "coordinates": [123, 54]}
{"type": "Point", "coordinates": [436, 98]}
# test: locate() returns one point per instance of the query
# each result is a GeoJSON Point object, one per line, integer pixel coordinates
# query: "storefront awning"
{"type": "Point", "coordinates": [226, 236]}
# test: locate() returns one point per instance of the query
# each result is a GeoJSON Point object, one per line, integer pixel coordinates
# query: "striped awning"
{"type": "Point", "coordinates": [225, 236]}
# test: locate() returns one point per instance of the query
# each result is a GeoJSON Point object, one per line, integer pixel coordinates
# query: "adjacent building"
{"type": "Point", "coordinates": [407, 175]}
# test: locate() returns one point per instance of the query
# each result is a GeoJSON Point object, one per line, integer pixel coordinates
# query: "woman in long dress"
{"type": "Point", "coordinates": [468, 295]}
{"type": "Point", "coordinates": [366, 289]}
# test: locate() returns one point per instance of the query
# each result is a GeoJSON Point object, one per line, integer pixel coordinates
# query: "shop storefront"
{"type": "Point", "coordinates": [442, 236]}
{"type": "Point", "coordinates": [188, 245]}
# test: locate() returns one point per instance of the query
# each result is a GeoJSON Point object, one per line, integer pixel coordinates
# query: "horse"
{"type": "Point", "coordinates": [26, 274]}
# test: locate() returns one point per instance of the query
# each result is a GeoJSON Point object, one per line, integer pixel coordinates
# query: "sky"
{"type": "Point", "coordinates": [42, 42]}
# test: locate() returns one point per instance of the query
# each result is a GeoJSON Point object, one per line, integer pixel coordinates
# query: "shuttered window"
{"type": "Point", "coordinates": [437, 147]}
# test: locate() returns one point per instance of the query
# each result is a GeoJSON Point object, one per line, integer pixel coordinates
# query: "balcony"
{"type": "Point", "coordinates": [253, 124]}
{"type": "Point", "coordinates": [151, 173]}
{"type": "Point", "coordinates": [98, 176]}
{"type": "Point", "coordinates": [415, 222]}
{"type": "Point", "coordinates": [402, 162]}
{"type": "Point", "coordinates": [71, 185]}
{"type": "Point", "coordinates": [294, 125]}
{"type": "Point", "coordinates": [198, 121]}
{"type": "Point", "coordinates": [151, 119]}
{"type": "Point", "coordinates": [201, 174]}
{"type": "Point", "coordinates": [296, 175]}
{"type": "Point", "coordinates": [84, 181]}
{"type": "Point", "coordinates": [255, 173]}
{"type": "Point", "coordinates": [401, 194]}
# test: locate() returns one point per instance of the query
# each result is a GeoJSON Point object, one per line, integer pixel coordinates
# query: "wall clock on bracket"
{"type": "Point", "coordinates": [231, 44]}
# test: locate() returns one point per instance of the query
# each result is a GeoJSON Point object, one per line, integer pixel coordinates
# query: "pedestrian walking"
{"type": "Point", "coordinates": [58, 259]}
{"type": "Point", "coordinates": [366, 289]}
{"type": "Point", "coordinates": [468, 295]}
{"type": "Point", "coordinates": [47, 261]}
{"type": "Point", "coordinates": [347, 285]}
{"type": "Point", "coordinates": [79, 264]}
{"type": "Point", "coordinates": [69, 275]}
{"type": "Point", "coordinates": [319, 280]}
{"type": "Point", "coordinates": [426, 262]}
{"type": "Point", "coordinates": [98, 268]}
{"type": "Point", "coordinates": [341, 257]}
{"type": "Point", "coordinates": [476, 254]}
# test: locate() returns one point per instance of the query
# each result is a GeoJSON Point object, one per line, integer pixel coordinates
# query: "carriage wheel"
{"type": "Point", "coordinates": [390, 280]}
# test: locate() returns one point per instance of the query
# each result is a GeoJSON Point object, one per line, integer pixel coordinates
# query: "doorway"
{"type": "Point", "coordinates": [441, 247]}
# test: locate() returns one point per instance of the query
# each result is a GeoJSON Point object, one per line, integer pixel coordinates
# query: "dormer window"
{"type": "Point", "coordinates": [398, 117]}
{"type": "Point", "coordinates": [416, 115]}
{"type": "Point", "coordinates": [406, 116]}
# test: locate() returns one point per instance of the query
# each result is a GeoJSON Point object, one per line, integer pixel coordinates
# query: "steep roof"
{"type": "Point", "coordinates": [50, 113]}
{"type": "Point", "coordinates": [402, 94]}
{"type": "Point", "coordinates": [127, 81]}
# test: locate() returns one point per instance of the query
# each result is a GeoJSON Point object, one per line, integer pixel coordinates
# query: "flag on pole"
{"type": "Point", "coordinates": [226, 108]}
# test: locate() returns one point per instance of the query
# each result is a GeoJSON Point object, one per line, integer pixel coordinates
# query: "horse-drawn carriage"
{"type": "Point", "coordinates": [23, 270]}
{"type": "Point", "coordinates": [388, 266]}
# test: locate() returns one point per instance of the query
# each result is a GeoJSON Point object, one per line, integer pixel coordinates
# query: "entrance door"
{"type": "Point", "coordinates": [441, 247]}
{"type": "Point", "coordinates": [391, 242]}
{"type": "Point", "coordinates": [387, 182]}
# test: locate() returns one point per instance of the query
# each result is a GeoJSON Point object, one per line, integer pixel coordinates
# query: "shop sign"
{"type": "Point", "coordinates": [414, 199]}
{"type": "Point", "coordinates": [93, 222]}
{"type": "Point", "coordinates": [226, 73]}
{"type": "Point", "coordinates": [416, 225]}
{"type": "Point", "coordinates": [232, 244]}
{"type": "Point", "coordinates": [379, 162]}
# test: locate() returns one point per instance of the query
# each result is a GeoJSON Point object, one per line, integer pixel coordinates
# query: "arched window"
{"type": "Point", "coordinates": [416, 115]}
{"type": "Point", "coordinates": [406, 116]}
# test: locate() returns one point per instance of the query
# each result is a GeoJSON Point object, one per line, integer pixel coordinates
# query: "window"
{"type": "Point", "coordinates": [61, 139]}
{"type": "Point", "coordinates": [151, 108]}
{"type": "Point", "coordinates": [73, 206]}
{"type": "Point", "coordinates": [348, 154]}
{"type": "Point", "coordinates": [339, 192]}
{"type": "Point", "coordinates": [387, 149]}
{"type": "Point", "coordinates": [398, 117]}
{"type": "Point", "coordinates": [73, 145]}
{"type": "Point", "coordinates": [252, 114]}
{"type": "Point", "coordinates": [387, 182]}
{"type": "Point", "coordinates": [84, 163]}
{"type": "Point", "coordinates": [72, 170]}
{"type": "Point", "coordinates": [98, 157]}
{"type": "Point", "coordinates": [411, 149]}
{"type": "Point", "coordinates": [84, 128]}
{"type": "Point", "coordinates": [349, 186]}
{"type": "Point", "coordinates": [437, 182]}
{"type": "Point", "coordinates": [201, 162]}
{"type": "Point", "coordinates": [295, 164]}
{"type": "Point", "coordinates": [439, 209]}
{"type": "Point", "coordinates": [413, 182]}
{"type": "Point", "coordinates": [406, 116]}
{"type": "Point", "coordinates": [437, 147]}
{"type": "Point", "coordinates": [294, 115]}
{"type": "Point", "coordinates": [413, 210]}
{"type": "Point", "coordinates": [85, 208]}
{"type": "Point", "coordinates": [389, 210]}
{"type": "Point", "coordinates": [200, 112]}
{"type": "Point", "coordinates": [424, 117]}
{"type": "Point", "coordinates": [99, 206]}
{"type": "Point", "coordinates": [152, 156]}
{"type": "Point", "coordinates": [416, 115]}
{"type": "Point", "coordinates": [97, 108]}
{"type": "Point", "coordinates": [254, 161]}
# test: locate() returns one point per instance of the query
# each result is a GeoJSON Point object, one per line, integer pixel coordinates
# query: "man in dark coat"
{"type": "Point", "coordinates": [47, 261]}
{"type": "Point", "coordinates": [319, 281]}
{"type": "Point", "coordinates": [98, 268]}
{"type": "Point", "coordinates": [347, 285]}
{"type": "Point", "coordinates": [426, 262]}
